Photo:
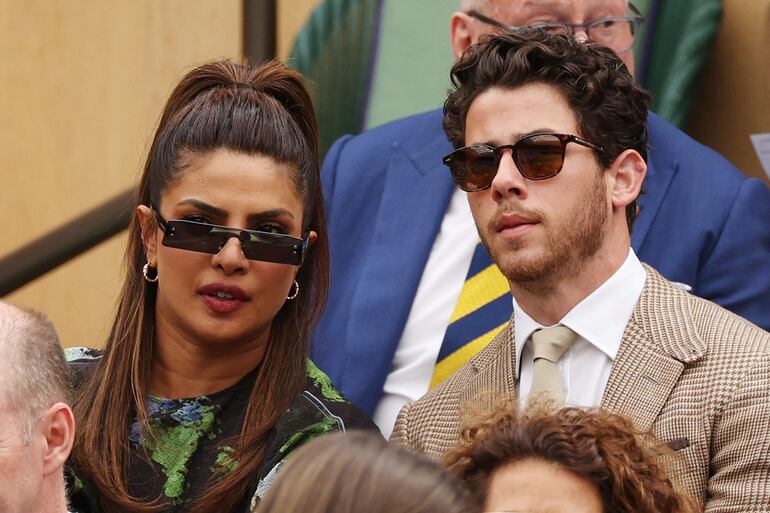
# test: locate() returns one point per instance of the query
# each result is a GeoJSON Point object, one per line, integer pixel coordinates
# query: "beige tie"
{"type": "Point", "coordinates": [549, 345]}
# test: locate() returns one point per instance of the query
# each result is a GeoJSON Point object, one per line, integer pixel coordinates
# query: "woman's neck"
{"type": "Point", "coordinates": [184, 369]}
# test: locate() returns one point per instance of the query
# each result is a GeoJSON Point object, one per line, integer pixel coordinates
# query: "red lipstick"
{"type": "Point", "coordinates": [223, 298]}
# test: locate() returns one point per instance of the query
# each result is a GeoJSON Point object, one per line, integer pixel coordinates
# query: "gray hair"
{"type": "Point", "coordinates": [478, 5]}
{"type": "Point", "coordinates": [35, 374]}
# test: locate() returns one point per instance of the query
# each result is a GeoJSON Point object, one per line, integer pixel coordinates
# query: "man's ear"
{"type": "Point", "coordinates": [149, 231]}
{"type": "Point", "coordinates": [460, 33]}
{"type": "Point", "coordinates": [626, 178]}
{"type": "Point", "coordinates": [58, 427]}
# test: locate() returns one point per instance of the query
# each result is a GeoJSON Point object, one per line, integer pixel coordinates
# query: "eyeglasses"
{"type": "Point", "coordinates": [615, 32]}
{"type": "Point", "coordinates": [211, 238]}
{"type": "Point", "coordinates": [538, 157]}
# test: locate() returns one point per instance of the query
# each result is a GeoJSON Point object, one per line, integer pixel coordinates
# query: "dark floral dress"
{"type": "Point", "coordinates": [195, 439]}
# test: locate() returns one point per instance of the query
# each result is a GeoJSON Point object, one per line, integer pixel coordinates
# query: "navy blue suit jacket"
{"type": "Point", "coordinates": [701, 223]}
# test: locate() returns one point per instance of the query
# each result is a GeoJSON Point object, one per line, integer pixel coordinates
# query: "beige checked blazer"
{"type": "Point", "coordinates": [695, 374]}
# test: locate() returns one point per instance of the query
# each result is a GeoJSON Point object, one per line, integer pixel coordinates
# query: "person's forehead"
{"type": "Point", "coordinates": [518, 12]}
{"type": "Point", "coordinates": [503, 115]}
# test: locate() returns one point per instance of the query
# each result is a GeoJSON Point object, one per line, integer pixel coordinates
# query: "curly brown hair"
{"type": "Point", "coordinates": [611, 110]}
{"type": "Point", "coordinates": [605, 449]}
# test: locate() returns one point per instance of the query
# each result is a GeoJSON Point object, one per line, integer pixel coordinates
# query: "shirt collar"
{"type": "Point", "coordinates": [601, 317]}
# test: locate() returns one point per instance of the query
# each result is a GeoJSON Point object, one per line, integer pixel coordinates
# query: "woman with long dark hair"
{"type": "Point", "coordinates": [204, 385]}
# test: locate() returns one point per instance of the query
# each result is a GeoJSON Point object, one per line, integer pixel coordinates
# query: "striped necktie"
{"type": "Point", "coordinates": [483, 309]}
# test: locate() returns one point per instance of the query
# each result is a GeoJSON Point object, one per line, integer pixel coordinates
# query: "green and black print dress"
{"type": "Point", "coordinates": [195, 438]}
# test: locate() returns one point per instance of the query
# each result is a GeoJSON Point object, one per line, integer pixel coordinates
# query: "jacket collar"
{"type": "Point", "coordinates": [658, 342]}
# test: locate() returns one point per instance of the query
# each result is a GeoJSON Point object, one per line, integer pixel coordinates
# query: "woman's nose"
{"type": "Point", "coordinates": [231, 258]}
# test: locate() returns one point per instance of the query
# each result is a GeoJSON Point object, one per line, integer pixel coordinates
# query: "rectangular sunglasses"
{"type": "Point", "coordinates": [211, 238]}
{"type": "Point", "coordinates": [538, 156]}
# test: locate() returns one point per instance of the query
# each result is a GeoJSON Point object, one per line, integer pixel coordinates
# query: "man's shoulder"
{"type": "Point", "coordinates": [726, 333]}
{"type": "Point", "coordinates": [457, 385]}
{"type": "Point", "coordinates": [671, 146]}
{"type": "Point", "coordinates": [410, 132]}
{"type": "Point", "coordinates": [675, 315]}
{"type": "Point", "coordinates": [431, 425]}
{"type": "Point", "coordinates": [425, 123]}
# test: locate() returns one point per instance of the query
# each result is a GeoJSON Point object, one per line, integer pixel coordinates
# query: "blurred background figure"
{"type": "Point", "coordinates": [36, 424]}
{"type": "Point", "coordinates": [204, 385]}
{"type": "Point", "coordinates": [359, 472]}
{"type": "Point", "coordinates": [571, 461]}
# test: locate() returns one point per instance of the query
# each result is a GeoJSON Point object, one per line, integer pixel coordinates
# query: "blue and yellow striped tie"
{"type": "Point", "coordinates": [483, 309]}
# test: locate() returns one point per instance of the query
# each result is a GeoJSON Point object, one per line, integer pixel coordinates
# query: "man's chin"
{"type": "Point", "coordinates": [521, 270]}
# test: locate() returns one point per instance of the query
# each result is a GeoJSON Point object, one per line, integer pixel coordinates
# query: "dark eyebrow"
{"type": "Point", "coordinates": [218, 212]}
{"type": "Point", "coordinates": [270, 214]}
{"type": "Point", "coordinates": [204, 207]}
{"type": "Point", "coordinates": [521, 135]}
{"type": "Point", "coordinates": [517, 136]}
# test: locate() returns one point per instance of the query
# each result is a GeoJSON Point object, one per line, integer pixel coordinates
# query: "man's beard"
{"type": "Point", "coordinates": [567, 246]}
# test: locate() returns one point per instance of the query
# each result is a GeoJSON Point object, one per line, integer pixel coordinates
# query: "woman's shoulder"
{"type": "Point", "coordinates": [318, 410]}
{"type": "Point", "coordinates": [323, 395]}
{"type": "Point", "coordinates": [320, 382]}
{"type": "Point", "coordinates": [81, 361]}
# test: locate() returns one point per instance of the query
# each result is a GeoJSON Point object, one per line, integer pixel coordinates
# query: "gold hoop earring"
{"type": "Point", "coordinates": [296, 291]}
{"type": "Point", "coordinates": [147, 270]}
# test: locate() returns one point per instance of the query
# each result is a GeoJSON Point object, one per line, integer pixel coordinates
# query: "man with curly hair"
{"type": "Point", "coordinates": [404, 311]}
{"type": "Point", "coordinates": [572, 461]}
{"type": "Point", "coordinates": [550, 137]}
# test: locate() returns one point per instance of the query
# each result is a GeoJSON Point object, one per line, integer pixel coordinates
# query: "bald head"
{"type": "Point", "coordinates": [37, 428]}
{"type": "Point", "coordinates": [34, 374]}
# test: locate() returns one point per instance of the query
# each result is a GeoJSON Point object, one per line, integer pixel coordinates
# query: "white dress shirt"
{"type": "Point", "coordinates": [599, 320]}
{"type": "Point", "coordinates": [440, 286]}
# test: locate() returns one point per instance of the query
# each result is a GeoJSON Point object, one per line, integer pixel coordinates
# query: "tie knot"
{"type": "Point", "coordinates": [552, 343]}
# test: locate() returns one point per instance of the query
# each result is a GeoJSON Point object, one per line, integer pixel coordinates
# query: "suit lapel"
{"type": "Point", "coordinates": [494, 372]}
{"type": "Point", "coordinates": [647, 368]}
{"type": "Point", "coordinates": [641, 379]}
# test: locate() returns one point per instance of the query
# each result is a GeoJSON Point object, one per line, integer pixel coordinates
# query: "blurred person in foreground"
{"type": "Point", "coordinates": [570, 461]}
{"type": "Point", "coordinates": [413, 295]}
{"type": "Point", "coordinates": [551, 144]}
{"type": "Point", "coordinates": [37, 426]}
{"type": "Point", "coordinates": [359, 472]}
{"type": "Point", "coordinates": [204, 385]}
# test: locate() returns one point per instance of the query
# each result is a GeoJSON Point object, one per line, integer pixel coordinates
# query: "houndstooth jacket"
{"type": "Point", "coordinates": [695, 374]}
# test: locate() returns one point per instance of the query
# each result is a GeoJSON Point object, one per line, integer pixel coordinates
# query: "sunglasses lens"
{"type": "Point", "coordinates": [540, 156]}
{"type": "Point", "coordinates": [207, 238]}
{"type": "Point", "coordinates": [193, 236]}
{"type": "Point", "coordinates": [474, 167]}
{"type": "Point", "coordinates": [279, 249]}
